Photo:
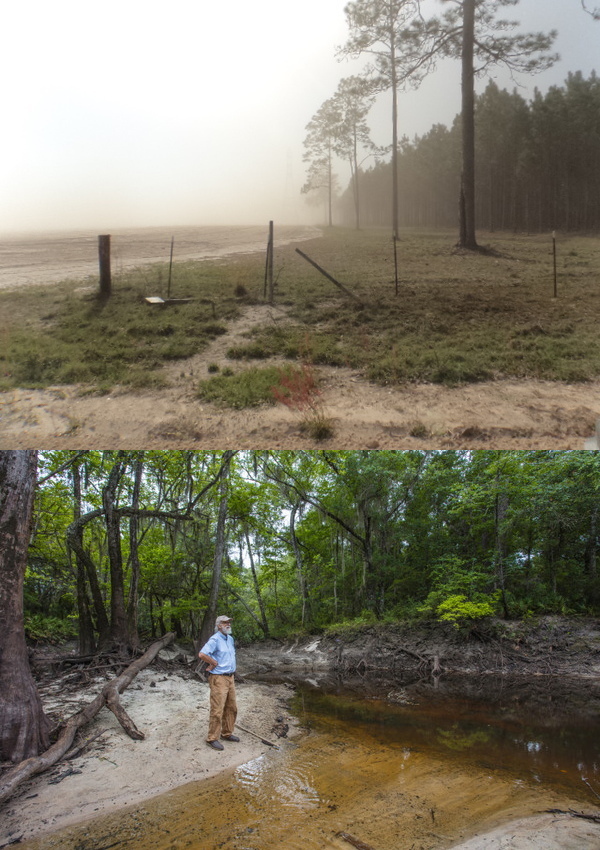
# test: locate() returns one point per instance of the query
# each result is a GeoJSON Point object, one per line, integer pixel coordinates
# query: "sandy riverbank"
{"type": "Point", "coordinates": [116, 771]}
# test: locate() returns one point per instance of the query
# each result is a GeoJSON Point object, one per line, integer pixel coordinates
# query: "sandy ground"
{"type": "Point", "coordinates": [502, 414]}
{"type": "Point", "coordinates": [541, 832]}
{"type": "Point", "coordinates": [47, 258]}
{"type": "Point", "coordinates": [116, 771]}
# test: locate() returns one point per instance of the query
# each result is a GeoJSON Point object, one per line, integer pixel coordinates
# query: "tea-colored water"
{"type": "Point", "coordinates": [396, 776]}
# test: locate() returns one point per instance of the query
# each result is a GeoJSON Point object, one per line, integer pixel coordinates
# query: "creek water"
{"type": "Point", "coordinates": [404, 766]}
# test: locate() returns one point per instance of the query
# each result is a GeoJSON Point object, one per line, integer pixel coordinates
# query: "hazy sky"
{"type": "Point", "coordinates": [138, 112]}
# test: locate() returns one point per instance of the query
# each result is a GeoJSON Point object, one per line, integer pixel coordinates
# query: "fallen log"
{"type": "Point", "coordinates": [109, 695]}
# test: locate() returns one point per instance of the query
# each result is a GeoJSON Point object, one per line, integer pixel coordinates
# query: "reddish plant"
{"type": "Point", "coordinates": [297, 388]}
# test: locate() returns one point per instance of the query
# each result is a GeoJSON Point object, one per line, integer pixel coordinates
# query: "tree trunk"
{"type": "Point", "coordinates": [132, 605]}
{"type": "Point", "coordinates": [87, 644]}
{"type": "Point", "coordinates": [467, 206]}
{"type": "Point", "coordinates": [500, 511]}
{"type": "Point", "coordinates": [394, 129]}
{"type": "Point", "coordinates": [75, 543]}
{"type": "Point", "coordinates": [109, 695]}
{"type": "Point", "coordinates": [118, 616]}
{"type": "Point", "coordinates": [23, 724]}
{"type": "Point", "coordinates": [261, 604]}
{"type": "Point", "coordinates": [208, 621]}
{"type": "Point", "coordinates": [299, 565]}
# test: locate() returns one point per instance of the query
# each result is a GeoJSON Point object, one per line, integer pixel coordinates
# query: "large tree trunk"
{"type": "Point", "coordinates": [87, 644]}
{"type": "Point", "coordinates": [118, 615]}
{"type": "Point", "coordinates": [208, 621]}
{"type": "Point", "coordinates": [467, 201]}
{"type": "Point", "coordinates": [23, 724]}
{"type": "Point", "coordinates": [394, 128]}
{"type": "Point", "coordinates": [109, 695]}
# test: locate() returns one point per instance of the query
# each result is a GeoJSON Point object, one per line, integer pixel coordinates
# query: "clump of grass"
{"type": "Point", "coordinates": [249, 388]}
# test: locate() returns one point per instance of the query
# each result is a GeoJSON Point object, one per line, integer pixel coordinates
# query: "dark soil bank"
{"type": "Point", "coordinates": [551, 656]}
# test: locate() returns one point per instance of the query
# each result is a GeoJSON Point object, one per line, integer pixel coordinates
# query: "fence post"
{"type": "Point", "coordinates": [554, 262]}
{"type": "Point", "coordinates": [271, 292]}
{"type": "Point", "coordinates": [104, 259]}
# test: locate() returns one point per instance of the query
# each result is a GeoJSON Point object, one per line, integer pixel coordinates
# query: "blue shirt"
{"type": "Point", "coordinates": [222, 648]}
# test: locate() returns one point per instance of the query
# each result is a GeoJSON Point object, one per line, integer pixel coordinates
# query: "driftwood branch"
{"type": "Point", "coordinates": [593, 816]}
{"type": "Point", "coordinates": [109, 695]}
{"type": "Point", "coordinates": [355, 842]}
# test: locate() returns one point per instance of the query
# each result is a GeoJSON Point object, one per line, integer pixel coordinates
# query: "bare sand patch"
{"type": "Point", "coordinates": [504, 414]}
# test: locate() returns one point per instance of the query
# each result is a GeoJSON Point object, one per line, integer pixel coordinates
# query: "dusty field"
{"type": "Point", "coordinates": [506, 414]}
{"type": "Point", "coordinates": [49, 258]}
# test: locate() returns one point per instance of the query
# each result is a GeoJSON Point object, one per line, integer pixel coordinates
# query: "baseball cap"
{"type": "Point", "coordinates": [223, 619]}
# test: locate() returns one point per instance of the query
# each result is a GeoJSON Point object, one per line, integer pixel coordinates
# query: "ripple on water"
{"type": "Point", "coordinates": [291, 785]}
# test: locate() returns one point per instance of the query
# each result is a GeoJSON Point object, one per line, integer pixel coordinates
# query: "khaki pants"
{"type": "Point", "coordinates": [223, 707]}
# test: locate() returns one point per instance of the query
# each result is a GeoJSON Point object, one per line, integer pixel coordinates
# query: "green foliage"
{"type": "Point", "coordinates": [461, 611]}
{"type": "Point", "coordinates": [41, 629]}
{"type": "Point", "coordinates": [346, 628]}
{"type": "Point", "coordinates": [327, 540]}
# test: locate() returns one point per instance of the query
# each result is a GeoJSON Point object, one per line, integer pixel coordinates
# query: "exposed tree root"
{"type": "Point", "coordinates": [108, 696]}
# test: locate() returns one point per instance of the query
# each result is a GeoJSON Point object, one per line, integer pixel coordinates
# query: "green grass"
{"type": "Point", "coordinates": [249, 388]}
{"type": "Point", "coordinates": [59, 335]}
{"type": "Point", "coordinates": [458, 316]}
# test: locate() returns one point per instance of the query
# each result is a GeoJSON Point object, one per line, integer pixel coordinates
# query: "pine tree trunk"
{"type": "Point", "coordinates": [467, 207]}
{"type": "Point", "coordinates": [23, 724]}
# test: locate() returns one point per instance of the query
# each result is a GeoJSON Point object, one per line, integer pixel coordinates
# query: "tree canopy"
{"type": "Point", "coordinates": [140, 543]}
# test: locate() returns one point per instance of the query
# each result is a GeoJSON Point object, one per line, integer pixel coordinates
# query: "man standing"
{"type": "Point", "coordinates": [219, 654]}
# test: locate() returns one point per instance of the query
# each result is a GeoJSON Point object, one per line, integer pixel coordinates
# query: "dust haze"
{"type": "Point", "coordinates": [196, 115]}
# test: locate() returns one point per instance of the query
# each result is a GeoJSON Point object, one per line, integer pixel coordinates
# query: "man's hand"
{"type": "Point", "coordinates": [209, 661]}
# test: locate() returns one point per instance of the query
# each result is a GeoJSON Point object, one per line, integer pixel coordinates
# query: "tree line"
{"type": "Point", "coordinates": [402, 47]}
{"type": "Point", "coordinates": [538, 166]}
{"type": "Point", "coordinates": [140, 543]}
{"type": "Point", "coordinates": [118, 547]}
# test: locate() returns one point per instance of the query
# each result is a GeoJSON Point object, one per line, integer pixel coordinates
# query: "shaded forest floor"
{"type": "Point", "coordinates": [472, 351]}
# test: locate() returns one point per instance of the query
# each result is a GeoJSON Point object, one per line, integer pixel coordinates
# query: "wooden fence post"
{"type": "Point", "coordinates": [270, 264]}
{"type": "Point", "coordinates": [104, 259]}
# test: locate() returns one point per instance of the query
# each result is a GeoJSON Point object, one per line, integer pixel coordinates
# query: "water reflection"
{"type": "Point", "coordinates": [417, 773]}
{"type": "Point", "coordinates": [546, 732]}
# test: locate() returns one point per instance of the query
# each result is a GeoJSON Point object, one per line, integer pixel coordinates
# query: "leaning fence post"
{"type": "Point", "coordinates": [104, 259]}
